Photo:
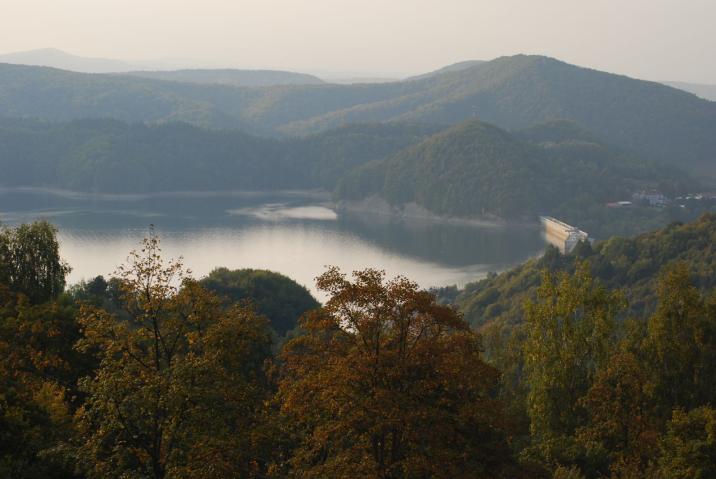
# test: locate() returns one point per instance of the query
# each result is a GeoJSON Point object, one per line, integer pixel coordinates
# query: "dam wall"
{"type": "Point", "coordinates": [560, 234]}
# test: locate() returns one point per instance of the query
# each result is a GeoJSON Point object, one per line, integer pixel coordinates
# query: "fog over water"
{"type": "Point", "coordinates": [295, 234]}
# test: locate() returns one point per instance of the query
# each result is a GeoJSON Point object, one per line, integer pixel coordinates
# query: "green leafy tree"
{"type": "Point", "coordinates": [38, 367]}
{"type": "Point", "coordinates": [570, 330]}
{"type": "Point", "coordinates": [688, 449]}
{"type": "Point", "coordinates": [680, 343]}
{"type": "Point", "coordinates": [622, 431]}
{"type": "Point", "coordinates": [30, 261]}
{"type": "Point", "coordinates": [274, 295]}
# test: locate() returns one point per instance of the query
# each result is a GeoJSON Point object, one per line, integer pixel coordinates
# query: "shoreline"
{"type": "Point", "coordinates": [371, 206]}
{"type": "Point", "coordinates": [79, 194]}
{"type": "Point", "coordinates": [412, 211]}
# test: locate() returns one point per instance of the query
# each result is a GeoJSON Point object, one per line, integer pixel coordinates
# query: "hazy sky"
{"type": "Point", "coordinates": [653, 39]}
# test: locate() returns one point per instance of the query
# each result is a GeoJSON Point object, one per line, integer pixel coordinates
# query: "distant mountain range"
{"type": "Point", "coordinates": [232, 77]}
{"type": "Point", "coordinates": [654, 120]}
{"type": "Point", "coordinates": [52, 57]}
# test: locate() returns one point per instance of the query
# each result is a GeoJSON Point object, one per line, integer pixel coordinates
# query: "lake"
{"type": "Point", "coordinates": [294, 233]}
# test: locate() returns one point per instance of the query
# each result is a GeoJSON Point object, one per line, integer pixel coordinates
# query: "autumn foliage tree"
{"type": "Point", "coordinates": [180, 385]}
{"type": "Point", "coordinates": [38, 367]}
{"type": "Point", "coordinates": [621, 433]}
{"type": "Point", "coordinates": [387, 383]}
{"type": "Point", "coordinates": [688, 449]}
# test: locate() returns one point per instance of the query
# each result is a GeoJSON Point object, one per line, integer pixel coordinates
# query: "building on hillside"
{"type": "Point", "coordinates": [560, 234]}
{"type": "Point", "coordinates": [654, 198]}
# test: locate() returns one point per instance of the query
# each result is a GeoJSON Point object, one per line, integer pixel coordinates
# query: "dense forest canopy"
{"type": "Point", "coordinates": [631, 264]}
{"type": "Point", "coordinates": [472, 170]}
{"type": "Point", "coordinates": [606, 372]}
{"type": "Point", "coordinates": [658, 121]}
{"type": "Point", "coordinates": [108, 156]}
{"type": "Point", "coordinates": [566, 141]}
{"type": "Point", "coordinates": [478, 170]}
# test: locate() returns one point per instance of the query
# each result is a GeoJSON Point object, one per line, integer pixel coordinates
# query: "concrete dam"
{"type": "Point", "coordinates": [560, 234]}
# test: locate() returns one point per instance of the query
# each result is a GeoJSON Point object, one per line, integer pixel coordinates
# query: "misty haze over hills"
{"type": "Point", "coordinates": [506, 139]}
{"type": "Point", "coordinates": [455, 239]}
{"type": "Point", "coordinates": [660, 122]}
{"type": "Point", "coordinates": [455, 67]}
{"type": "Point", "coordinates": [55, 58]}
{"type": "Point", "coordinates": [231, 77]}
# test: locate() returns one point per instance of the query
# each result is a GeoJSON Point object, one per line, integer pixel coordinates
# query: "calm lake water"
{"type": "Point", "coordinates": [296, 234]}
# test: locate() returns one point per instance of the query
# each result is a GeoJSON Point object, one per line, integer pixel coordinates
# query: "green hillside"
{"type": "Point", "coordinates": [330, 155]}
{"type": "Point", "coordinates": [479, 170]}
{"type": "Point", "coordinates": [629, 264]}
{"type": "Point", "coordinates": [59, 95]}
{"type": "Point", "coordinates": [112, 156]}
{"type": "Point", "coordinates": [515, 92]}
{"type": "Point", "coordinates": [472, 170]}
{"type": "Point", "coordinates": [660, 122]}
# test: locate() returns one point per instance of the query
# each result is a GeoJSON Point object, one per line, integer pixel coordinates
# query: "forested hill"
{"type": "Point", "coordinates": [472, 170]}
{"type": "Point", "coordinates": [658, 121]}
{"type": "Point", "coordinates": [455, 67]}
{"type": "Point", "coordinates": [112, 156]}
{"type": "Point", "coordinates": [234, 77]}
{"type": "Point", "coordinates": [479, 170]}
{"type": "Point", "coordinates": [629, 264]}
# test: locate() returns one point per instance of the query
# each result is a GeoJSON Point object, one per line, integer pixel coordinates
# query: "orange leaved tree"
{"type": "Point", "coordinates": [388, 383]}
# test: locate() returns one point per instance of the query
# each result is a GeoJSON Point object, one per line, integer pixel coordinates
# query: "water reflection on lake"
{"type": "Point", "coordinates": [293, 233]}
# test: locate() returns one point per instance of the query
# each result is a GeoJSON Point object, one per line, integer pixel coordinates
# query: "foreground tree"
{"type": "Point", "coordinates": [680, 344]}
{"type": "Point", "coordinates": [621, 434]}
{"type": "Point", "coordinates": [30, 261]}
{"type": "Point", "coordinates": [688, 449]}
{"type": "Point", "coordinates": [180, 387]}
{"type": "Point", "coordinates": [570, 332]}
{"type": "Point", "coordinates": [38, 367]}
{"type": "Point", "coordinates": [387, 383]}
